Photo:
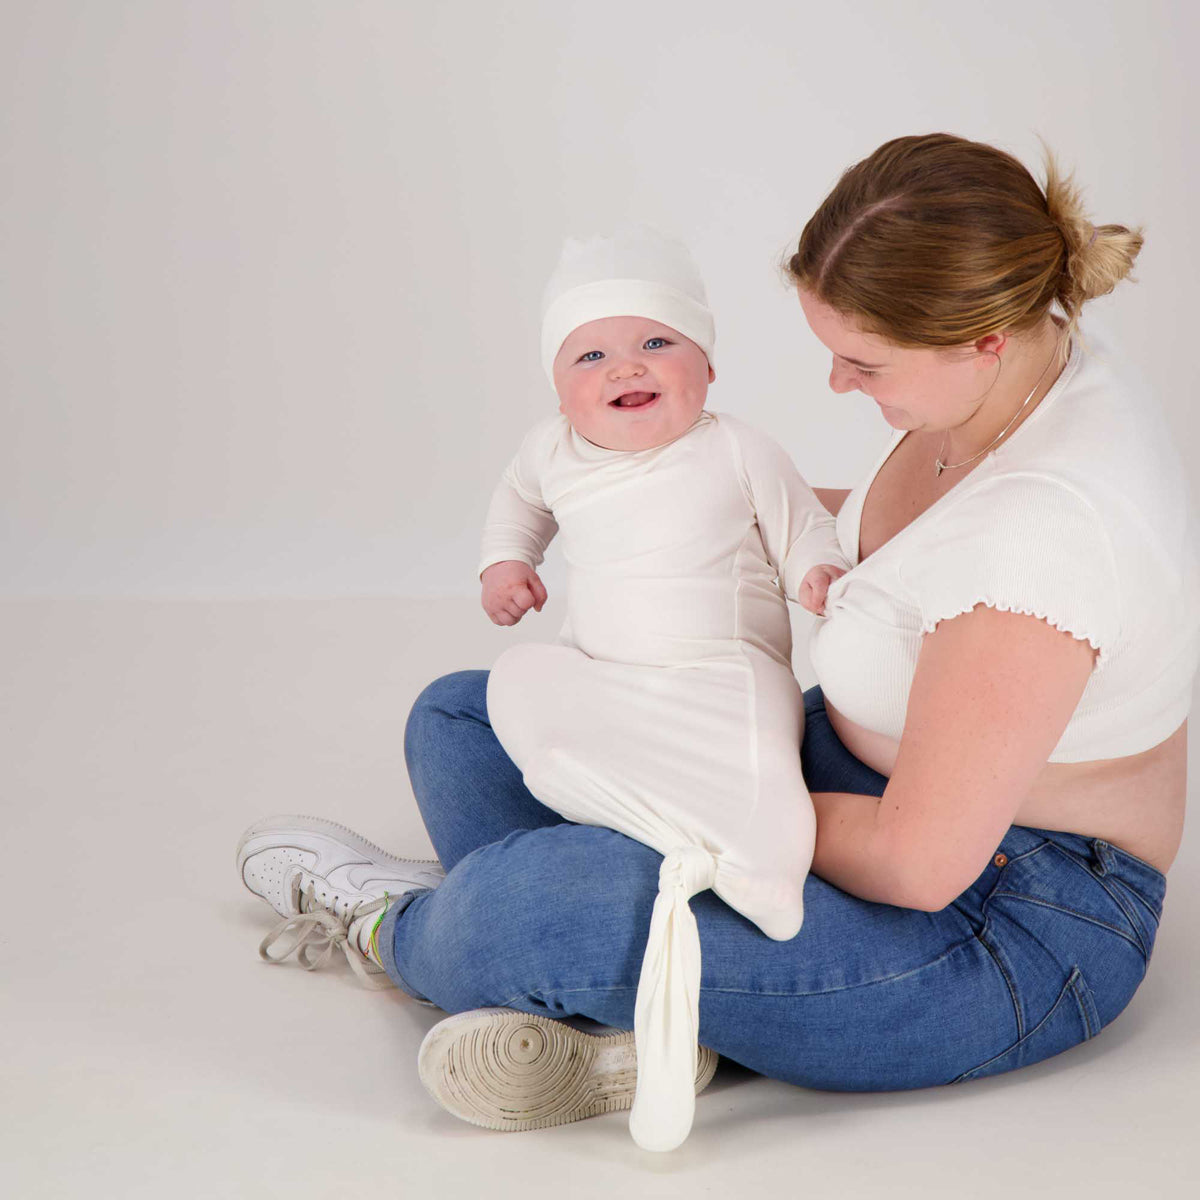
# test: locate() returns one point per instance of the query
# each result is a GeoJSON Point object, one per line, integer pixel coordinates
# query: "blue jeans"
{"type": "Point", "coordinates": [546, 916]}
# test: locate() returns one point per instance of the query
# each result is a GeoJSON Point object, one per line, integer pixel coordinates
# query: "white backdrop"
{"type": "Point", "coordinates": [270, 269]}
{"type": "Point", "coordinates": [269, 284]}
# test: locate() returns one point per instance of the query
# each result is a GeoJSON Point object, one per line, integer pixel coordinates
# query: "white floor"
{"type": "Point", "coordinates": [146, 1051]}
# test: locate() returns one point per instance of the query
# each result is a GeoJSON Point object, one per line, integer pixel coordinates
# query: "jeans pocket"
{"type": "Point", "coordinates": [1072, 1019]}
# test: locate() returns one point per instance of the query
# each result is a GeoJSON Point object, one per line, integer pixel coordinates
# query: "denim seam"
{"type": "Point", "coordinates": [1129, 916]}
{"type": "Point", "coordinates": [759, 992]}
{"type": "Point", "coordinates": [1009, 983]}
{"type": "Point", "coordinates": [1103, 852]}
{"type": "Point", "coordinates": [1071, 857]}
{"type": "Point", "coordinates": [844, 988]}
{"type": "Point", "coordinates": [512, 1001]}
{"type": "Point", "coordinates": [993, 951]}
{"type": "Point", "coordinates": [1087, 1004]}
{"type": "Point", "coordinates": [1072, 913]}
{"type": "Point", "coordinates": [1141, 900]}
{"type": "Point", "coordinates": [562, 991]}
{"type": "Point", "coordinates": [823, 991]}
{"type": "Point", "coordinates": [1133, 858]}
{"type": "Point", "coordinates": [1068, 987]}
{"type": "Point", "coordinates": [1016, 858]}
{"type": "Point", "coordinates": [1132, 893]}
{"type": "Point", "coordinates": [1076, 860]}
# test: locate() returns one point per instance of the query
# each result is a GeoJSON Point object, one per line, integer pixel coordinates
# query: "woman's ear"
{"type": "Point", "coordinates": [993, 343]}
{"type": "Point", "coordinates": [712, 375]}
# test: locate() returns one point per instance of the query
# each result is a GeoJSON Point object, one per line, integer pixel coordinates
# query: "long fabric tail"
{"type": "Point", "coordinates": [666, 1018]}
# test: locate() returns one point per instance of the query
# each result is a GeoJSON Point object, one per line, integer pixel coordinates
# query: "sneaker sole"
{"type": "Point", "coordinates": [511, 1071]}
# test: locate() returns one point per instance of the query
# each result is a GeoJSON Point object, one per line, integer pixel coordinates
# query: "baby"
{"type": "Point", "coordinates": [667, 708]}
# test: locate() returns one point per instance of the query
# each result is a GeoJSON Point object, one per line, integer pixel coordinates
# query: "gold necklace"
{"type": "Point", "coordinates": [942, 466]}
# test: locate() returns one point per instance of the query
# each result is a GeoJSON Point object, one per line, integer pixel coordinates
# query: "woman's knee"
{"type": "Point", "coordinates": [560, 907]}
{"type": "Point", "coordinates": [461, 694]}
{"type": "Point", "coordinates": [567, 883]}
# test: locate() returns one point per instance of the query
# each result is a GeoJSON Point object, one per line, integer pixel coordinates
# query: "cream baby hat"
{"type": "Point", "coordinates": [634, 272]}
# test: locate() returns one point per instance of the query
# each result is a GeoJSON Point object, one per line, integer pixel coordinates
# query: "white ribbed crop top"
{"type": "Point", "coordinates": [1083, 517]}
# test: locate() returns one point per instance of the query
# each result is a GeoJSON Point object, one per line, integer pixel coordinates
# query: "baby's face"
{"type": "Point", "coordinates": [629, 383]}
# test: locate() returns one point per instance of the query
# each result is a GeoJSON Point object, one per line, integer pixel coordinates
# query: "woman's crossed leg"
{"type": "Point", "coordinates": [548, 917]}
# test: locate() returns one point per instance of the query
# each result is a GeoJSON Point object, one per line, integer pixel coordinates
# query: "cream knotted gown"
{"type": "Point", "coordinates": [667, 708]}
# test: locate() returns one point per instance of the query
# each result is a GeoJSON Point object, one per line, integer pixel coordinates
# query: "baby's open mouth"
{"type": "Point", "coordinates": [635, 400]}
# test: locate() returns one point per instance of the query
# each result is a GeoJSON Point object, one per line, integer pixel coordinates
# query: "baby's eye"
{"type": "Point", "coordinates": [867, 373]}
{"type": "Point", "coordinates": [588, 356]}
{"type": "Point", "coordinates": [661, 340]}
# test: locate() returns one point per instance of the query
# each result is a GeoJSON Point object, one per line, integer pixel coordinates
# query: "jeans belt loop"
{"type": "Point", "coordinates": [1103, 856]}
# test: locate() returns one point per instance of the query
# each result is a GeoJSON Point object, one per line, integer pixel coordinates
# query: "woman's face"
{"type": "Point", "coordinates": [917, 389]}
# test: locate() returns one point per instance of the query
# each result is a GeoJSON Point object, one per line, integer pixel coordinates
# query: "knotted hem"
{"type": "Point", "coordinates": [666, 1019]}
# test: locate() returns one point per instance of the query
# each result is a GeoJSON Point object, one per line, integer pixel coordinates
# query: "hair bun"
{"type": "Point", "coordinates": [1098, 256]}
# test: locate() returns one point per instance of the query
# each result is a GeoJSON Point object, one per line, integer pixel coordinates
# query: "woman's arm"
{"type": "Point", "coordinates": [832, 498]}
{"type": "Point", "coordinates": [992, 694]}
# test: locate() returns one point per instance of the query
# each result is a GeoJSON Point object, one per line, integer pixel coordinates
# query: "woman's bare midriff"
{"type": "Point", "coordinates": [1134, 803]}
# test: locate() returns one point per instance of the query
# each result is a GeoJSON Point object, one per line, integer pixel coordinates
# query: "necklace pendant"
{"type": "Point", "coordinates": [937, 462]}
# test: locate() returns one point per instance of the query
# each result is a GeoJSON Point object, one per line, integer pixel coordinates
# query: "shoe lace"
{"type": "Point", "coordinates": [312, 933]}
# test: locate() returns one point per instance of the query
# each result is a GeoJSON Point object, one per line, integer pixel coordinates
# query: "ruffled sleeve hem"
{"type": "Point", "coordinates": [1072, 625]}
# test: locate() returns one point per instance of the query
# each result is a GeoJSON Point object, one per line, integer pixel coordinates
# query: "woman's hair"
{"type": "Point", "coordinates": [938, 241]}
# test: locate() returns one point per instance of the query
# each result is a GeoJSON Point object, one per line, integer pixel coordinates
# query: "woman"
{"type": "Point", "coordinates": [996, 752]}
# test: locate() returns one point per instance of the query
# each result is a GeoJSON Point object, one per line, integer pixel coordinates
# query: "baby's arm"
{"type": "Point", "coordinates": [518, 528]}
{"type": "Point", "coordinates": [797, 530]}
{"type": "Point", "coordinates": [510, 590]}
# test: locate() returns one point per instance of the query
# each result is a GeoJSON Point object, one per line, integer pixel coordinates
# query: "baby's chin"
{"type": "Point", "coordinates": [640, 428]}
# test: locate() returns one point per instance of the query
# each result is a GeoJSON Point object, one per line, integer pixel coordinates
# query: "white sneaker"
{"type": "Point", "coordinates": [330, 885]}
{"type": "Point", "coordinates": [510, 1070]}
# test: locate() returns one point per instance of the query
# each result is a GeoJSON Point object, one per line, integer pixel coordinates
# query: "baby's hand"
{"type": "Point", "coordinates": [510, 590]}
{"type": "Point", "coordinates": [815, 584]}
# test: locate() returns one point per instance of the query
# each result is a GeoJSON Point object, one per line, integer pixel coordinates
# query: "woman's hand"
{"type": "Point", "coordinates": [815, 585]}
{"type": "Point", "coordinates": [510, 590]}
{"type": "Point", "coordinates": [992, 693]}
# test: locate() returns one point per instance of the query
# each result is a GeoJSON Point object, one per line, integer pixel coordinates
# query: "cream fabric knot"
{"type": "Point", "coordinates": [667, 1010]}
{"type": "Point", "coordinates": [691, 868]}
